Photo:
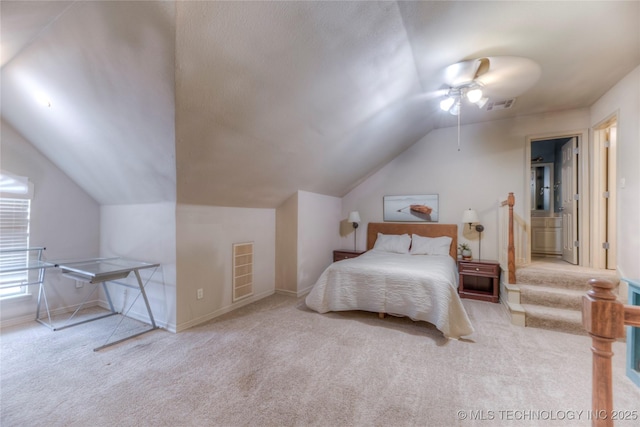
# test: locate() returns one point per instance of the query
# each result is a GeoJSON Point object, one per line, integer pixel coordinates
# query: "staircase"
{"type": "Point", "coordinates": [551, 293]}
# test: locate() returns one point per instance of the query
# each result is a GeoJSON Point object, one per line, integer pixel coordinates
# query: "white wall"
{"type": "Point", "coordinates": [287, 246]}
{"type": "Point", "coordinates": [205, 235]}
{"type": "Point", "coordinates": [64, 219]}
{"type": "Point", "coordinates": [144, 232]}
{"type": "Point", "coordinates": [624, 98]}
{"type": "Point", "coordinates": [489, 165]}
{"type": "Point", "coordinates": [318, 235]}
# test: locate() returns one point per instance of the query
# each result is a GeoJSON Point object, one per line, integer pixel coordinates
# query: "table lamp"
{"type": "Point", "coordinates": [470, 217]}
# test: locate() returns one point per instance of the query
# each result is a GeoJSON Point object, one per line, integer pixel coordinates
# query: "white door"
{"type": "Point", "coordinates": [569, 190]}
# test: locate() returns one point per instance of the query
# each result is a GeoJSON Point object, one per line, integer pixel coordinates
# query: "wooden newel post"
{"type": "Point", "coordinates": [603, 318]}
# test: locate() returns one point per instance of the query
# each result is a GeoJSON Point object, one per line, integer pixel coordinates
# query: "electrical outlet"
{"type": "Point", "coordinates": [200, 293]}
{"type": "Point", "coordinates": [79, 284]}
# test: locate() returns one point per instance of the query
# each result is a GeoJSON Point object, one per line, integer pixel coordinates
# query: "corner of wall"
{"type": "Point", "coordinates": [287, 245]}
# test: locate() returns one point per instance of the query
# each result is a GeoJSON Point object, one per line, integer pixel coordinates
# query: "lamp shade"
{"type": "Point", "coordinates": [354, 216]}
{"type": "Point", "coordinates": [470, 216]}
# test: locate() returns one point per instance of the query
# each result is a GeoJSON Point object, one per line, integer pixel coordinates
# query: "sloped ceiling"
{"type": "Point", "coordinates": [243, 103]}
{"type": "Point", "coordinates": [108, 70]}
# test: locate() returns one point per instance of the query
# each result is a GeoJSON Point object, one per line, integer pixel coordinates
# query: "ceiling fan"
{"type": "Point", "coordinates": [495, 78]}
{"type": "Point", "coordinates": [499, 78]}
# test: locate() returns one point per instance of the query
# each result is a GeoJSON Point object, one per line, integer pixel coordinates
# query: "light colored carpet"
{"type": "Point", "coordinates": [551, 292]}
{"type": "Point", "coordinates": [276, 363]}
{"type": "Point", "coordinates": [549, 272]}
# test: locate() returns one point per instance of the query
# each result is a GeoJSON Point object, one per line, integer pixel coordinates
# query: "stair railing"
{"type": "Point", "coordinates": [507, 246]}
{"type": "Point", "coordinates": [604, 318]}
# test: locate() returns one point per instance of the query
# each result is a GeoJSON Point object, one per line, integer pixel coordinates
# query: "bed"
{"type": "Point", "coordinates": [418, 281]}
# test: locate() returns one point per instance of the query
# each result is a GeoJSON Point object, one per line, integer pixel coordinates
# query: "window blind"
{"type": "Point", "coordinates": [14, 234]}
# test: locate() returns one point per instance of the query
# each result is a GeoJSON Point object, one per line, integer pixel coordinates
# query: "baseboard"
{"type": "Point", "coordinates": [304, 291]}
{"type": "Point", "coordinates": [516, 313]}
{"type": "Point", "coordinates": [510, 300]}
{"type": "Point", "coordinates": [512, 292]}
{"type": "Point", "coordinates": [223, 310]}
{"type": "Point", "coordinates": [143, 317]}
{"type": "Point", "coordinates": [43, 314]}
{"type": "Point", "coordinates": [286, 292]}
{"type": "Point", "coordinates": [297, 294]}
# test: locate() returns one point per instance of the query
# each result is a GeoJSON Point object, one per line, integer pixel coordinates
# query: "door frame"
{"type": "Point", "coordinates": [599, 257]}
{"type": "Point", "coordinates": [584, 212]}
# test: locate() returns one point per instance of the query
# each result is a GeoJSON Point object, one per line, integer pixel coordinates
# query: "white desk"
{"type": "Point", "coordinates": [100, 271]}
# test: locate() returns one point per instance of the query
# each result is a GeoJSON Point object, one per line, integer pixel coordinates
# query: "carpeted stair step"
{"type": "Point", "coordinates": [551, 296]}
{"type": "Point", "coordinates": [556, 319]}
{"type": "Point", "coordinates": [551, 292]}
{"type": "Point", "coordinates": [556, 277]}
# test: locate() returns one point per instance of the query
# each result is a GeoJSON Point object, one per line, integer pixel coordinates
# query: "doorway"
{"type": "Point", "coordinates": [554, 189]}
{"type": "Point", "coordinates": [587, 201]}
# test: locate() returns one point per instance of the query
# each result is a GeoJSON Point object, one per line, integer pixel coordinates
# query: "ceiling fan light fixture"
{"type": "Point", "coordinates": [447, 103]}
{"type": "Point", "coordinates": [455, 109]}
{"type": "Point", "coordinates": [474, 95]}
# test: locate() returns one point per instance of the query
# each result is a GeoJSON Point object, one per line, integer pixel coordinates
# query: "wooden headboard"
{"type": "Point", "coordinates": [425, 230]}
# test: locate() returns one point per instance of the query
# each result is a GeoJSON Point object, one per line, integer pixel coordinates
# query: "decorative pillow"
{"type": "Point", "coordinates": [430, 245]}
{"type": "Point", "coordinates": [393, 243]}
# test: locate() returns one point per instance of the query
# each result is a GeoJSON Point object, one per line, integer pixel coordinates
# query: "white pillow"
{"type": "Point", "coordinates": [393, 243]}
{"type": "Point", "coordinates": [430, 245]}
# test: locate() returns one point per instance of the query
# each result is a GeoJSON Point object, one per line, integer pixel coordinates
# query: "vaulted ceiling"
{"type": "Point", "coordinates": [243, 103]}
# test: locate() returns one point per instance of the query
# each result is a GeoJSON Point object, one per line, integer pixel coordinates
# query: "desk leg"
{"type": "Point", "coordinates": [42, 296]}
{"type": "Point", "coordinates": [108, 295]}
{"type": "Point", "coordinates": [102, 316]}
{"type": "Point", "coordinates": [146, 301]}
{"type": "Point", "coordinates": [144, 296]}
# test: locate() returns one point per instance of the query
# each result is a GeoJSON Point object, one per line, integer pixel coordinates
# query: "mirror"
{"type": "Point", "coordinates": [542, 187]}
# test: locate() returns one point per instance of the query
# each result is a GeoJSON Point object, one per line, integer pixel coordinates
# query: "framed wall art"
{"type": "Point", "coordinates": [411, 208]}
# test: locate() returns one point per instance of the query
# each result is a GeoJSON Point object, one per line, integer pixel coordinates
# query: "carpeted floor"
{"type": "Point", "coordinates": [276, 363]}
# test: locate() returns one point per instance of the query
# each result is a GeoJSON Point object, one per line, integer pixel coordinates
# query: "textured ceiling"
{"type": "Point", "coordinates": [243, 103]}
{"type": "Point", "coordinates": [108, 70]}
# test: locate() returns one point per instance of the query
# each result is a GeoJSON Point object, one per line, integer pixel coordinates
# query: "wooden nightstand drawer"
{"type": "Point", "coordinates": [469, 267]}
{"type": "Point", "coordinates": [339, 255]}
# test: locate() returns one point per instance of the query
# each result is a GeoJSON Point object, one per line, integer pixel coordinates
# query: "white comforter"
{"type": "Point", "coordinates": [421, 287]}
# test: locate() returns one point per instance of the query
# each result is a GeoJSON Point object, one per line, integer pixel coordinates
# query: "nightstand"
{"type": "Point", "coordinates": [340, 254]}
{"type": "Point", "coordinates": [479, 279]}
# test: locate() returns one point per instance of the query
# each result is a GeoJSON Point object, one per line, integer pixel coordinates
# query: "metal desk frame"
{"type": "Point", "coordinates": [100, 271]}
{"type": "Point", "coordinates": [27, 265]}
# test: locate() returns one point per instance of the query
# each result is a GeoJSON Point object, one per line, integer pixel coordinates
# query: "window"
{"type": "Point", "coordinates": [14, 233]}
{"type": "Point", "coordinates": [15, 211]}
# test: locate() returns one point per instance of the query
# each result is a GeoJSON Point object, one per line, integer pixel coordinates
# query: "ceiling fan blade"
{"type": "Point", "coordinates": [508, 76]}
{"type": "Point", "coordinates": [463, 72]}
{"type": "Point", "coordinates": [434, 94]}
